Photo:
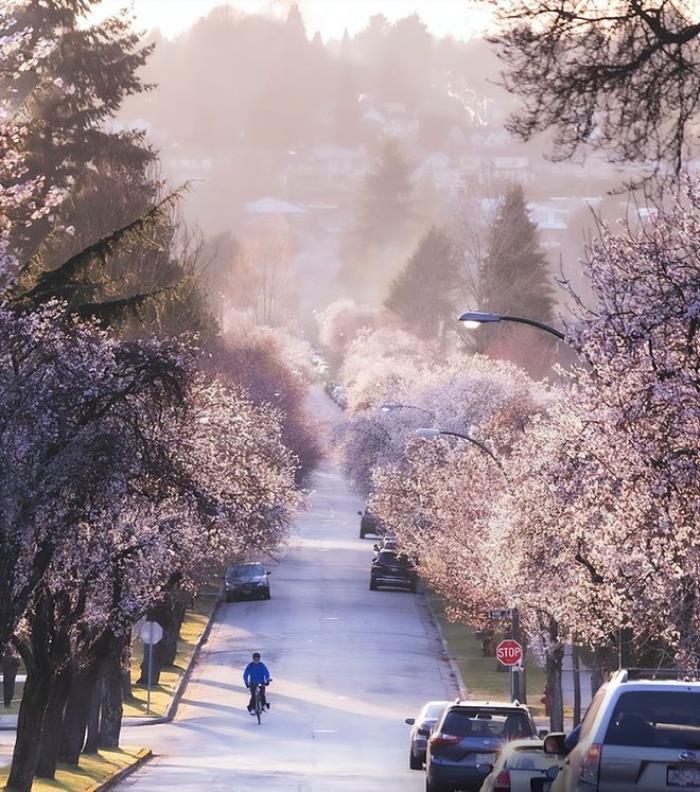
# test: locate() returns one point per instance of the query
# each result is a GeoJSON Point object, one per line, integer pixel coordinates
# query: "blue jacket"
{"type": "Point", "coordinates": [255, 673]}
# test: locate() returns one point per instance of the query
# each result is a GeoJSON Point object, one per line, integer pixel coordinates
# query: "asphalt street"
{"type": "Point", "coordinates": [348, 665]}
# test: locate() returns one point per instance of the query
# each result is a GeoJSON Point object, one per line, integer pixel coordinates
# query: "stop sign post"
{"type": "Point", "coordinates": [510, 654]}
{"type": "Point", "coordinates": [150, 633]}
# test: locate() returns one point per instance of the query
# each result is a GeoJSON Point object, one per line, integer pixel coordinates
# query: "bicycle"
{"type": "Point", "coordinates": [259, 691]}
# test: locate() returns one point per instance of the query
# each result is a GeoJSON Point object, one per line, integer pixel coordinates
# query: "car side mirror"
{"type": "Point", "coordinates": [542, 733]}
{"type": "Point", "coordinates": [375, 547]}
{"type": "Point", "coordinates": [555, 744]}
{"type": "Point", "coordinates": [410, 721]}
{"type": "Point", "coordinates": [552, 772]}
{"type": "Point", "coordinates": [424, 732]}
{"type": "Point", "coordinates": [268, 573]}
{"type": "Point", "coordinates": [359, 513]}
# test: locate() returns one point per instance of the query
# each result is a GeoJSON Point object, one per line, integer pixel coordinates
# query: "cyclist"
{"type": "Point", "coordinates": [256, 673]}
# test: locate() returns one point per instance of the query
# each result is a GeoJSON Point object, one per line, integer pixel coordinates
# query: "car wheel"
{"type": "Point", "coordinates": [267, 594]}
{"type": "Point", "coordinates": [372, 586]}
{"type": "Point", "coordinates": [414, 763]}
{"type": "Point", "coordinates": [362, 534]}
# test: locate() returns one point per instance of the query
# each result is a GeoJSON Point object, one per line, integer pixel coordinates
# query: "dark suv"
{"type": "Point", "coordinates": [466, 740]}
{"type": "Point", "coordinates": [370, 524]}
{"type": "Point", "coordinates": [396, 571]}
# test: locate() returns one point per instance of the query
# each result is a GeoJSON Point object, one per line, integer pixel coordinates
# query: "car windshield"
{"type": "Point", "coordinates": [656, 719]}
{"type": "Point", "coordinates": [243, 571]}
{"type": "Point", "coordinates": [483, 723]}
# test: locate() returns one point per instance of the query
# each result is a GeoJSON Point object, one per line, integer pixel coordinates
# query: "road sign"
{"type": "Point", "coordinates": [150, 633]}
{"type": "Point", "coordinates": [509, 652]}
{"type": "Point", "coordinates": [498, 614]}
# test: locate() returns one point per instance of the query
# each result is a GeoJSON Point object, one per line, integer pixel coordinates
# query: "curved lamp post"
{"type": "Point", "coordinates": [391, 406]}
{"type": "Point", "coordinates": [474, 319]}
{"type": "Point", "coordinates": [431, 433]}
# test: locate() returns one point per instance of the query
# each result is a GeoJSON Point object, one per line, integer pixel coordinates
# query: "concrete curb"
{"type": "Point", "coordinates": [451, 662]}
{"type": "Point", "coordinates": [141, 758]}
{"type": "Point", "coordinates": [184, 679]}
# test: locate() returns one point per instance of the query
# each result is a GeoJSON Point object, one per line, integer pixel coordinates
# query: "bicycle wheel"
{"type": "Point", "coordinates": [258, 704]}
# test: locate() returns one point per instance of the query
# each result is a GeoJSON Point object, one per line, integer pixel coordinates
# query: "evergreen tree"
{"type": "Point", "coordinates": [515, 279]}
{"type": "Point", "coordinates": [422, 295]}
{"type": "Point", "coordinates": [386, 201]}
{"type": "Point", "coordinates": [69, 102]}
{"type": "Point", "coordinates": [110, 244]}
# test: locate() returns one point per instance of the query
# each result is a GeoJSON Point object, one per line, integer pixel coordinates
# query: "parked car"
{"type": "Point", "coordinates": [463, 746]}
{"type": "Point", "coordinates": [246, 580]}
{"type": "Point", "coordinates": [422, 725]}
{"type": "Point", "coordinates": [394, 570]}
{"type": "Point", "coordinates": [337, 393]}
{"type": "Point", "coordinates": [639, 733]}
{"type": "Point", "coordinates": [388, 542]}
{"type": "Point", "coordinates": [522, 766]}
{"type": "Point", "coordinates": [370, 524]}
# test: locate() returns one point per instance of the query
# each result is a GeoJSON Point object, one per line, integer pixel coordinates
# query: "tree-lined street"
{"type": "Point", "coordinates": [348, 665]}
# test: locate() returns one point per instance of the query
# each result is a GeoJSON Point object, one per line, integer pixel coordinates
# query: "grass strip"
{"type": "Point", "coordinates": [481, 676]}
{"type": "Point", "coordinates": [93, 770]}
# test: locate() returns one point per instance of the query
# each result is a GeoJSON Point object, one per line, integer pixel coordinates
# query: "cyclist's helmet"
{"type": "Point", "coordinates": [256, 655]}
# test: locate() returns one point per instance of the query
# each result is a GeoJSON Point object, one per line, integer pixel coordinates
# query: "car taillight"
{"type": "Point", "coordinates": [502, 782]}
{"type": "Point", "coordinates": [444, 739]}
{"type": "Point", "coordinates": [591, 764]}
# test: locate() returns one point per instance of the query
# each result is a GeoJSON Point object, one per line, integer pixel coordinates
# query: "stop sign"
{"type": "Point", "coordinates": [509, 652]}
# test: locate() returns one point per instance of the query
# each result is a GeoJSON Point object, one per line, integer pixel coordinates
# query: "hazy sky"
{"type": "Point", "coordinates": [459, 18]}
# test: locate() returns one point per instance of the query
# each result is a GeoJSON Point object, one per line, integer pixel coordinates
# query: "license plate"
{"type": "Point", "coordinates": [683, 777]}
{"type": "Point", "coordinates": [486, 759]}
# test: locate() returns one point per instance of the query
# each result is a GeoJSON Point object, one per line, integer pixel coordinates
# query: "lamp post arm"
{"type": "Point", "coordinates": [477, 443]}
{"type": "Point", "coordinates": [534, 323]}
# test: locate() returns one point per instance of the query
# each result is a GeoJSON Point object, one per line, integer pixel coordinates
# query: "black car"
{"type": "Point", "coordinates": [465, 742]}
{"type": "Point", "coordinates": [396, 571]}
{"type": "Point", "coordinates": [370, 524]}
{"type": "Point", "coordinates": [422, 725]}
{"type": "Point", "coordinates": [245, 581]}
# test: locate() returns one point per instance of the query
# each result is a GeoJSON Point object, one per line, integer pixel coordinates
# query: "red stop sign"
{"type": "Point", "coordinates": [509, 652]}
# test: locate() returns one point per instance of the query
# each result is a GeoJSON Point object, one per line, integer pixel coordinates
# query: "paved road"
{"type": "Point", "coordinates": [348, 666]}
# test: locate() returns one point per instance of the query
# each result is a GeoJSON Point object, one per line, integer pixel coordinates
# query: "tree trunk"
{"type": "Point", "coordinates": [112, 709]}
{"type": "Point", "coordinates": [80, 696]}
{"type": "Point", "coordinates": [35, 699]}
{"type": "Point", "coordinates": [170, 636]}
{"type": "Point", "coordinates": [52, 729]}
{"type": "Point", "coordinates": [127, 695]}
{"type": "Point", "coordinates": [93, 723]}
{"type": "Point", "coordinates": [554, 657]}
{"type": "Point", "coordinates": [576, 672]}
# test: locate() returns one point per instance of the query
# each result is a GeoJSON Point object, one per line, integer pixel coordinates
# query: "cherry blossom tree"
{"type": "Point", "coordinates": [122, 474]}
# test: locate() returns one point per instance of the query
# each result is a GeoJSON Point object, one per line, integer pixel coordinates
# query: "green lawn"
{"type": "Point", "coordinates": [94, 769]}
{"type": "Point", "coordinates": [480, 674]}
{"type": "Point", "coordinates": [193, 626]}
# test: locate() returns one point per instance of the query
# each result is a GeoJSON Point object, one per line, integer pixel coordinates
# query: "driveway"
{"type": "Point", "coordinates": [348, 666]}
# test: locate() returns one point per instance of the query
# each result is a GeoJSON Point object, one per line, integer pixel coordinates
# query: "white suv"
{"type": "Point", "coordinates": [639, 733]}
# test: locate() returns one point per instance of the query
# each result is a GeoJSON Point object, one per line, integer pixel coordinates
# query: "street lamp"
{"type": "Point", "coordinates": [391, 406]}
{"type": "Point", "coordinates": [432, 433]}
{"type": "Point", "coordinates": [474, 319]}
